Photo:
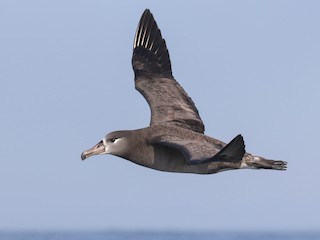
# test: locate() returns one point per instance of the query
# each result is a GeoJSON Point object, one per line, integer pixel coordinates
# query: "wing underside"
{"type": "Point", "coordinates": [168, 101]}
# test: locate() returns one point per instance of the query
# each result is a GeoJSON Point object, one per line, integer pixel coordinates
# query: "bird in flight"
{"type": "Point", "coordinates": [175, 140]}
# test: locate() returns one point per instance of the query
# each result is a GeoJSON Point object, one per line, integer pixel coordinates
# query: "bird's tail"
{"type": "Point", "coordinates": [256, 162]}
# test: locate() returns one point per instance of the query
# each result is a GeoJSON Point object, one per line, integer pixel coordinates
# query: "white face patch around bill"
{"type": "Point", "coordinates": [112, 145]}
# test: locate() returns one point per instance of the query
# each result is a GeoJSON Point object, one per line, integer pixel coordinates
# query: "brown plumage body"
{"type": "Point", "coordinates": [175, 140]}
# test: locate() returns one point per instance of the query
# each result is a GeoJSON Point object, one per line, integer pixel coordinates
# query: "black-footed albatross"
{"type": "Point", "coordinates": [175, 140]}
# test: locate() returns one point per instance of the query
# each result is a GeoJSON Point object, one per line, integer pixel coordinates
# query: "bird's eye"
{"type": "Point", "coordinates": [113, 140]}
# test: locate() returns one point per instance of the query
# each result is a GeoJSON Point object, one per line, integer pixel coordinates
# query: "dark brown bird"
{"type": "Point", "coordinates": [175, 140]}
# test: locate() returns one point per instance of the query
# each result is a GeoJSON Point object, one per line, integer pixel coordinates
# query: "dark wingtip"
{"type": "Point", "coordinates": [150, 53]}
{"type": "Point", "coordinates": [146, 11]}
{"type": "Point", "coordinates": [240, 147]}
{"type": "Point", "coordinates": [233, 151]}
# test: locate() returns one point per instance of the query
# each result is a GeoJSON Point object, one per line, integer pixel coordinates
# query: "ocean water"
{"type": "Point", "coordinates": [118, 235]}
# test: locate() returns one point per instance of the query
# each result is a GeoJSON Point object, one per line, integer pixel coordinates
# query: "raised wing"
{"type": "Point", "coordinates": [168, 102]}
{"type": "Point", "coordinates": [197, 152]}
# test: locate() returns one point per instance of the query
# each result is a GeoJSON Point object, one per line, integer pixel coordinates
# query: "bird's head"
{"type": "Point", "coordinates": [114, 143]}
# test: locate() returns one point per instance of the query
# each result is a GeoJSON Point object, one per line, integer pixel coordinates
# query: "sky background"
{"type": "Point", "coordinates": [251, 67]}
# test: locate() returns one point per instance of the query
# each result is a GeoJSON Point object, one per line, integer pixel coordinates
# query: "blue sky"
{"type": "Point", "coordinates": [251, 67]}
